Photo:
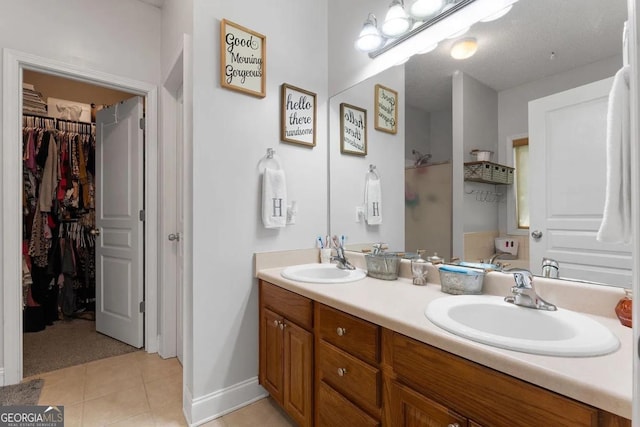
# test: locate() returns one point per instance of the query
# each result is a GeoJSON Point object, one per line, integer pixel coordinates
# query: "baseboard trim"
{"type": "Point", "coordinates": [214, 405]}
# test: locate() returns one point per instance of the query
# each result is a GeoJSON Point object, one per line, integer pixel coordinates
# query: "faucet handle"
{"type": "Point", "coordinates": [522, 276]}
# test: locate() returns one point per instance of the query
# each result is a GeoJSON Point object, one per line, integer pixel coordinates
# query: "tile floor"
{"type": "Point", "coordinates": [137, 389]}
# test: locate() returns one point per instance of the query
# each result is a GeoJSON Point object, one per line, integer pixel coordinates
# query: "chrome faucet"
{"type": "Point", "coordinates": [524, 294]}
{"type": "Point", "coordinates": [498, 255]}
{"type": "Point", "coordinates": [550, 268]}
{"type": "Point", "coordinates": [341, 260]}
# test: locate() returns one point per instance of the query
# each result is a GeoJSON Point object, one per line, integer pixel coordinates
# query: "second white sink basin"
{"type": "Point", "coordinates": [491, 320]}
{"type": "Point", "coordinates": [322, 273]}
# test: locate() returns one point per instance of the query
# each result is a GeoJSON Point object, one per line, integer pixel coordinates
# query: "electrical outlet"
{"type": "Point", "coordinates": [359, 213]}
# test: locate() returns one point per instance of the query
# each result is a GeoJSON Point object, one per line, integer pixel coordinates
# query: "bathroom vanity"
{"type": "Point", "coordinates": [363, 353]}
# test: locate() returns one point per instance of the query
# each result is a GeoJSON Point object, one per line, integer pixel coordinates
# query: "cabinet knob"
{"type": "Point", "coordinates": [341, 331]}
{"type": "Point", "coordinates": [276, 323]}
{"type": "Point", "coordinates": [454, 425]}
{"type": "Point", "coordinates": [282, 325]}
{"type": "Point", "coordinates": [343, 371]}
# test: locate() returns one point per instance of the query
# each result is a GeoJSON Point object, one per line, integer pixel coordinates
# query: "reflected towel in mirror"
{"type": "Point", "coordinates": [274, 198]}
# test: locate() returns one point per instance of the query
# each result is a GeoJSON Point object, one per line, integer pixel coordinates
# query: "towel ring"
{"type": "Point", "coordinates": [372, 171]}
{"type": "Point", "coordinates": [269, 157]}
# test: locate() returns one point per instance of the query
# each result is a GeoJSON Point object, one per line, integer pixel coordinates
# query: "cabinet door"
{"type": "Point", "coordinates": [410, 409]}
{"type": "Point", "coordinates": [335, 410]}
{"type": "Point", "coordinates": [298, 373]}
{"type": "Point", "coordinates": [271, 348]}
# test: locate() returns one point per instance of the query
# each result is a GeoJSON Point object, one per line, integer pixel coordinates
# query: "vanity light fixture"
{"type": "Point", "coordinates": [370, 38]}
{"type": "Point", "coordinates": [428, 49]}
{"type": "Point", "coordinates": [451, 21]}
{"type": "Point", "coordinates": [459, 33]}
{"type": "Point", "coordinates": [397, 22]}
{"type": "Point", "coordinates": [424, 8]}
{"type": "Point", "coordinates": [464, 48]}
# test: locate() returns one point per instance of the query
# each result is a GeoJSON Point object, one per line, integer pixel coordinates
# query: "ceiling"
{"type": "Point", "coordinates": [156, 3]}
{"type": "Point", "coordinates": [516, 49]}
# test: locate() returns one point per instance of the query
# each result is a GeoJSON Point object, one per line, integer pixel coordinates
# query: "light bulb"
{"type": "Point", "coordinates": [397, 21]}
{"type": "Point", "coordinates": [369, 38]}
{"type": "Point", "coordinates": [465, 48]}
{"type": "Point", "coordinates": [424, 8]}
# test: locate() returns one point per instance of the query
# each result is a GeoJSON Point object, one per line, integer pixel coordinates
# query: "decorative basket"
{"type": "Point", "coordinates": [383, 266]}
{"type": "Point", "coordinates": [461, 280]}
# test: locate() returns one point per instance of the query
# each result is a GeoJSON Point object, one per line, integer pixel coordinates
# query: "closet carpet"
{"type": "Point", "coordinates": [67, 343]}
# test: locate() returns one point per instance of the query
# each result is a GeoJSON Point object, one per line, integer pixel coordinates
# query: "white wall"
{"type": "Point", "coordinates": [347, 172]}
{"type": "Point", "coordinates": [441, 135]}
{"type": "Point", "coordinates": [120, 37]}
{"type": "Point", "coordinates": [231, 134]}
{"type": "Point", "coordinates": [513, 107]}
{"type": "Point", "coordinates": [177, 19]}
{"type": "Point", "coordinates": [428, 132]}
{"type": "Point", "coordinates": [417, 132]}
{"type": "Point", "coordinates": [480, 130]}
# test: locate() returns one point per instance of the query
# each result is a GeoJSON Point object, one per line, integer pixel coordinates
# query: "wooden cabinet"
{"type": "Point", "coordinates": [333, 409]}
{"type": "Point", "coordinates": [286, 351]}
{"type": "Point", "coordinates": [486, 396]}
{"type": "Point", "coordinates": [328, 367]}
{"type": "Point", "coordinates": [410, 409]}
{"type": "Point", "coordinates": [347, 364]}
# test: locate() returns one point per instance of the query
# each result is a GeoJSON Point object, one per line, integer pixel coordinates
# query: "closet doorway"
{"type": "Point", "coordinates": [69, 252]}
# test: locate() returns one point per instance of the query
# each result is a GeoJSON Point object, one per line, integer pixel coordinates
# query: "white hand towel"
{"type": "Point", "coordinates": [616, 220]}
{"type": "Point", "coordinates": [274, 198]}
{"type": "Point", "coordinates": [373, 201]}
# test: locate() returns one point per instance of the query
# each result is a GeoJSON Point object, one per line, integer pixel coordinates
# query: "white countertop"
{"type": "Point", "coordinates": [604, 382]}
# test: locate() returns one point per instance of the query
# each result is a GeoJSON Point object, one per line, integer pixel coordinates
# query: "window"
{"type": "Point", "coordinates": [521, 162]}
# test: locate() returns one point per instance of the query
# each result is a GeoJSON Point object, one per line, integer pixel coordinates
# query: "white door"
{"type": "Point", "coordinates": [567, 154]}
{"type": "Point", "coordinates": [119, 201]}
{"type": "Point", "coordinates": [179, 224]}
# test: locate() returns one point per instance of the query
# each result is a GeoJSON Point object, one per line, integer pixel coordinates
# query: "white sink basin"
{"type": "Point", "coordinates": [490, 320]}
{"type": "Point", "coordinates": [322, 273]}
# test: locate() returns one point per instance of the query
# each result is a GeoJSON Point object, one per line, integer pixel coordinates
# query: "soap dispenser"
{"type": "Point", "coordinates": [419, 269]}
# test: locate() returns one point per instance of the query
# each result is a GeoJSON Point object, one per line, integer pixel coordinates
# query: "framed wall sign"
{"type": "Point", "coordinates": [353, 130]}
{"type": "Point", "coordinates": [243, 58]}
{"type": "Point", "coordinates": [386, 109]}
{"type": "Point", "coordinates": [298, 117]}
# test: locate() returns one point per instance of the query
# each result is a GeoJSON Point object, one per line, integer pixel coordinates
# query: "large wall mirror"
{"type": "Point", "coordinates": [448, 108]}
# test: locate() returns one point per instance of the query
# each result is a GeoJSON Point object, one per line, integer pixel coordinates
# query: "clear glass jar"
{"type": "Point", "coordinates": [624, 308]}
{"type": "Point", "coordinates": [419, 270]}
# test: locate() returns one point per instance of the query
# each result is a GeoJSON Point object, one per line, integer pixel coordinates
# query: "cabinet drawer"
{"type": "Point", "coordinates": [294, 307]}
{"type": "Point", "coordinates": [477, 391]}
{"type": "Point", "coordinates": [333, 410]}
{"type": "Point", "coordinates": [351, 334]}
{"type": "Point", "coordinates": [352, 377]}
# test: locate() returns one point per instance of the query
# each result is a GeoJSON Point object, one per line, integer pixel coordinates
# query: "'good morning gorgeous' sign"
{"type": "Point", "coordinates": [386, 109]}
{"type": "Point", "coordinates": [242, 59]}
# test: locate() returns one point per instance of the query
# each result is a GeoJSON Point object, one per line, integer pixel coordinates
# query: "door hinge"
{"type": "Point", "coordinates": [141, 306]}
{"type": "Point", "coordinates": [142, 215]}
{"type": "Point", "coordinates": [142, 123]}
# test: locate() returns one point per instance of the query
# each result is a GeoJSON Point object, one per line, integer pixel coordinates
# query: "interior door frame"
{"type": "Point", "coordinates": [10, 158]}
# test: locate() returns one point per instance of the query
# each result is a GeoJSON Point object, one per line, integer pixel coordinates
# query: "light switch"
{"type": "Point", "coordinates": [359, 213]}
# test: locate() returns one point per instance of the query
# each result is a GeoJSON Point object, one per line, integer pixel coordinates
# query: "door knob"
{"type": "Point", "coordinates": [94, 232]}
{"type": "Point", "coordinates": [536, 234]}
{"type": "Point", "coordinates": [174, 237]}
